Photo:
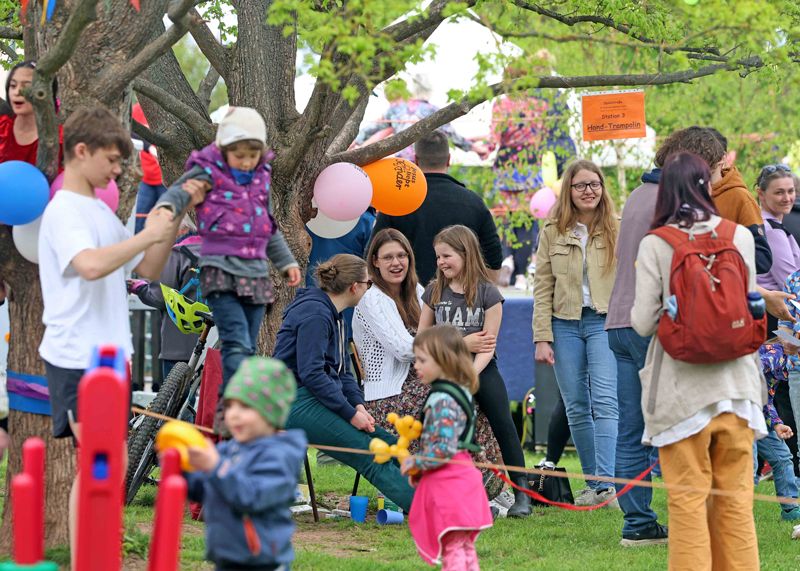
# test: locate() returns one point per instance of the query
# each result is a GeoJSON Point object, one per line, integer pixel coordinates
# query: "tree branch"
{"type": "Point", "coordinates": [115, 79]}
{"type": "Point", "coordinates": [150, 136]}
{"type": "Point", "coordinates": [9, 51]}
{"type": "Point", "coordinates": [206, 87]}
{"type": "Point", "coordinates": [83, 13]}
{"type": "Point", "coordinates": [348, 132]}
{"type": "Point", "coordinates": [9, 33]}
{"type": "Point", "coordinates": [179, 109]}
{"type": "Point", "coordinates": [216, 54]}
{"type": "Point", "coordinates": [608, 22]}
{"type": "Point", "coordinates": [393, 144]}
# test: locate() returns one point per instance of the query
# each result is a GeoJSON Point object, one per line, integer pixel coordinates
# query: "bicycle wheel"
{"type": "Point", "coordinates": [141, 442]}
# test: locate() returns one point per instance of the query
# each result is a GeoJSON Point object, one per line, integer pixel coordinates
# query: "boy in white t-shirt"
{"type": "Point", "coordinates": [85, 254]}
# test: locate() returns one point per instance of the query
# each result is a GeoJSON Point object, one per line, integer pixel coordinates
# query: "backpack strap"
{"type": "Point", "coordinates": [674, 237]}
{"type": "Point", "coordinates": [466, 441]}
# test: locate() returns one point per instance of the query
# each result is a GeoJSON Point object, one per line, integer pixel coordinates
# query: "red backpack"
{"type": "Point", "coordinates": [709, 279]}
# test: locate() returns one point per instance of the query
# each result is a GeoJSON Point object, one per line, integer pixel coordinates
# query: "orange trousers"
{"type": "Point", "coordinates": [712, 532]}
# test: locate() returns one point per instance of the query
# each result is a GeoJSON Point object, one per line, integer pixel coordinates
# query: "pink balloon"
{"type": "Point", "coordinates": [109, 194]}
{"type": "Point", "coordinates": [542, 202]}
{"type": "Point", "coordinates": [343, 191]}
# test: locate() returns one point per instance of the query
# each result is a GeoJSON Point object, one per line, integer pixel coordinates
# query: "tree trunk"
{"type": "Point", "coordinates": [25, 309]}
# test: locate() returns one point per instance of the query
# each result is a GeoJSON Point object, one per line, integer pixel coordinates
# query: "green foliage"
{"type": "Point", "coordinates": [215, 11]}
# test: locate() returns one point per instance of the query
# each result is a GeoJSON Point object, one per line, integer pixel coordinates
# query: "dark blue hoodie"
{"type": "Point", "coordinates": [311, 343]}
{"type": "Point", "coordinates": [253, 481]}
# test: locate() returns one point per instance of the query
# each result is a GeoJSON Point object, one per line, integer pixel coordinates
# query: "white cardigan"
{"type": "Point", "coordinates": [383, 343]}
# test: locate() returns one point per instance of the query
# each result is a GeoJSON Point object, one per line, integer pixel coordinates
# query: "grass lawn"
{"type": "Point", "coordinates": [550, 539]}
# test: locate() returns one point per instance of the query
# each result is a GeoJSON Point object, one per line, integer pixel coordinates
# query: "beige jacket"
{"type": "Point", "coordinates": [673, 391]}
{"type": "Point", "coordinates": [558, 281]}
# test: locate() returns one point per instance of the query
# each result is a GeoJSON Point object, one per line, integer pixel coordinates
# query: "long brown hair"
{"type": "Point", "coordinates": [465, 244]}
{"type": "Point", "coordinates": [446, 347]}
{"type": "Point", "coordinates": [565, 214]}
{"type": "Point", "coordinates": [408, 303]}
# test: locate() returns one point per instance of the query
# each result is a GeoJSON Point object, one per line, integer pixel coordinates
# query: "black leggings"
{"type": "Point", "coordinates": [557, 431]}
{"type": "Point", "coordinates": [492, 397]}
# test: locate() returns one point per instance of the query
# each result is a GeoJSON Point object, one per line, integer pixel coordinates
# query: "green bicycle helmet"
{"type": "Point", "coordinates": [183, 311]}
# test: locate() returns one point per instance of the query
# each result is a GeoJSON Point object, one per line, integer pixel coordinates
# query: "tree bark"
{"type": "Point", "coordinates": [25, 309]}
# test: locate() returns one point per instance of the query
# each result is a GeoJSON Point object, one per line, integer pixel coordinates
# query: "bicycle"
{"type": "Point", "coordinates": [178, 393]}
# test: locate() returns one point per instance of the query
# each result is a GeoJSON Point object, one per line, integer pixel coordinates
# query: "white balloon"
{"type": "Point", "coordinates": [26, 239]}
{"type": "Point", "coordinates": [324, 227]}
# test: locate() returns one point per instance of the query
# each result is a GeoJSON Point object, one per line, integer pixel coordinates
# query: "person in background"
{"type": "Point", "coordinates": [447, 203]}
{"type": "Point", "coordinates": [772, 447]}
{"type": "Point", "coordinates": [151, 186]}
{"type": "Point", "coordinates": [181, 267]}
{"type": "Point", "coordinates": [19, 135]}
{"type": "Point", "coordinates": [403, 112]}
{"type": "Point", "coordinates": [575, 272]}
{"type": "Point", "coordinates": [702, 417]}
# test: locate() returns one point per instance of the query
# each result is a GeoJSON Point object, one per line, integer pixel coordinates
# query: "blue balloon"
{"type": "Point", "coordinates": [24, 193]}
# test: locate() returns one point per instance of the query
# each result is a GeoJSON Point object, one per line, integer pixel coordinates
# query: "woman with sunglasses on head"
{"type": "Point", "coordinates": [776, 194]}
{"type": "Point", "coordinates": [574, 276]}
{"type": "Point", "coordinates": [329, 405]}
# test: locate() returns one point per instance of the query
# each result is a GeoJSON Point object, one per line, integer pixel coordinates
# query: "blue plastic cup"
{"type": "Point", "coordinates": [358, 508]}
{"type": "Point", "coordinates": [389, 517]}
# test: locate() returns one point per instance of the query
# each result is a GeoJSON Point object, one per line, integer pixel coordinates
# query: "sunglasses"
{"type": "Point", "coordinates": [770, 170]}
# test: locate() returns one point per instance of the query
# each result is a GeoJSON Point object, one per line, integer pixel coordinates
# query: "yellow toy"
{"type": "Point", "coordinates": [408, 428]}
{"type": "Point", "coordinates": [180, 436]}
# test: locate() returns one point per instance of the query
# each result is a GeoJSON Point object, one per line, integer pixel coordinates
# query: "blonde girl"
{"type": "Point", "coordinates": [575, 273]}
{"type": "Point", "coordinates": [462, 295]}
{"type": "Point", "coordinates": [450, 506]}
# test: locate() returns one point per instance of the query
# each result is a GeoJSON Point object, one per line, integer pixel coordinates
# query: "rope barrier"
{"type": "Point", "coordinates": [499, 468]}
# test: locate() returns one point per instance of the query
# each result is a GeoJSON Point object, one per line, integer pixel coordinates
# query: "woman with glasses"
{"type": "Point", "coordinates": [574, 276]}
{"type": "Point", "coordinates": [329, 405]}
{"type": "Point", "coordinates": [384, 324]}
{"type": "Point", "coordinates": [776, 194]}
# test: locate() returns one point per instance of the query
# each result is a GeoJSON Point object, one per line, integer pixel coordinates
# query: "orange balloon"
{"type": "Point", "coordinates": [398, 186]}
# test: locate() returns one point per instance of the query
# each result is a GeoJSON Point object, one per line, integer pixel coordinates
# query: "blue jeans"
{"type": "Point", "coordinates": [146, 199]}
{"type": "Point", "coordinates": [774, 450]}
{"type": "Point", "coordinates": [586, 372]}
{"type": "Point", "coordinates": [238, 324]}
{"type": "Point", "coordinates": [633, 457]}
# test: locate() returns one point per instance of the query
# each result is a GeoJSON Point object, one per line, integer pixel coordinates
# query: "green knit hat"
{"type": "Point", "coordinates": [266, 385]}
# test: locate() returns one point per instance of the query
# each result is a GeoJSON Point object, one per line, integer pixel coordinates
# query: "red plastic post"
{"type": "Point", "coordinates": [23, 496]}
{"type": "Point", "coordinates": [170, 463]}
{"type": "Point", "coordinates": [165, 547]}
{"type": "Point", "coordinates": [33, 454]}
{"type": "Point", "coordinates": [103, 405]}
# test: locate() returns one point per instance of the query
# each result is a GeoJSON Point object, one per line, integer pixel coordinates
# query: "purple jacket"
{"type": "Point", "coordinates": [785, 254]}
{"type": "Point", "coordinates": [234, 219]}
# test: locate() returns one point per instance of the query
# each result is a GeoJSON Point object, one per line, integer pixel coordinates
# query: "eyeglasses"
{"type": "Point", "coordinates": [368, 282]}
{"type": "Point", "coordinates": [391, 258]}
{"type": "Point", "coordinates": [595, 185]}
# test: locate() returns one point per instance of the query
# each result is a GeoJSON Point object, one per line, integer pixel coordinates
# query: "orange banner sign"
{"type": "Point", "coordinates": [613, 115]}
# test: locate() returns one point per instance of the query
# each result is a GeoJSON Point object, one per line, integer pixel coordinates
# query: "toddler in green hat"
{"type": "Point", "coordinates": [247, 484]}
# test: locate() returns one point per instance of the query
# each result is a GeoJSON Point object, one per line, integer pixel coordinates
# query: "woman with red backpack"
{"type": "Point", "coordinates": [701, 390]}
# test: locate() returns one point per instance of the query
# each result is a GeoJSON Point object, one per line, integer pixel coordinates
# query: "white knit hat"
{"type": "Point", "coordinates": [241, 124]}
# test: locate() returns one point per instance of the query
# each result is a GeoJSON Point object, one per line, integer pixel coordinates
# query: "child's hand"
{"type": "Point", "coordinates": [407, 465]}
{"type": "Point", "coordinates": [784, 432]}
{"type": "Point", "coordinates": [197, 190]}
{"type": "Point", "coordinates": [204, 459]}
{"type": "Point", "coordinates": [292, 276]}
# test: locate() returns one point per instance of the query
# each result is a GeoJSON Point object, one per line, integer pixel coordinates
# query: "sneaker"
{"type": "Point", "coordinates": [792, 514]}
{"type": "Point", "coordinates": [796, 532]}
{"type": "Point", "coordinates": [586, 497]}
{"type": "Point", "coordinates": [656, 534]}
{"type": "Point", "coordinates": [605, 495]}
{"type": "Point", "coordinates": [521, 282]}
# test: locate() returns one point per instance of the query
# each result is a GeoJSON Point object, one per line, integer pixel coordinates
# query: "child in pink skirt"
{"type": "Point", "coordinates": [450, 506]}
